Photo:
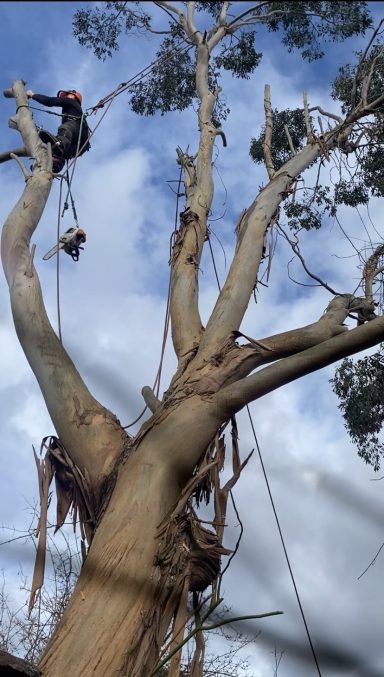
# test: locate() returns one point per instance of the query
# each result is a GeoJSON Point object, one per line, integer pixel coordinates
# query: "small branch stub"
{"type": "Point", "coordinates": [150, 399]}
{"type": "Point", "coordinates": [268, 132]}
{"type": "Point", "coordinates": [22, 166]}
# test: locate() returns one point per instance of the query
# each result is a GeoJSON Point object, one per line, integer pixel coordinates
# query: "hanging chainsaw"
{"type": "Point", "coordinates": [70, 242]}
{"type": "Point", "coordinates": [74, 237]}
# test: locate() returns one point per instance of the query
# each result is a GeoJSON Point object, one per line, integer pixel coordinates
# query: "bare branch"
{"type": "Point", "coordinates": [371, 270]}
{"type": "Point", "coordinates": [185, 317]}
{"type": "Point", "coordinates": [296, 249]}
{"type": "Point", "coordinates": [8, 155]}
{"type": "Point", "coordinates": [367, 80]}
{"type": "Point", "coordinates": [325, 113]}
{"type": "Point", "coordinates": [268, 132]}
{"type": "Point", "coordinates": [363, 58]}
{"type": "Point", "coordinates": [150, 399]}
{"type": "Point", "coordinates": [233, 398]}
{"type": "Point", "coordinates": [170, 8]}
{"type": "Point", "coordinates": [248, 11]}
{"type": "Point", "coordinates": [290, 142]}
{"type": "Point", "coordinates": [185, 23]}
{"type": "Point", "coordinates": [22, 166]}
{"type": "Point", "coordinates": [223, 13]}
{"type": "Point", "coordinates": [226, 317]}
{"type": "Point", "coordinates": [190, 21]}
{"type": "Point", "coordinates": [307, 119]}
{"type": "Point", "coordinates": [240, 361]}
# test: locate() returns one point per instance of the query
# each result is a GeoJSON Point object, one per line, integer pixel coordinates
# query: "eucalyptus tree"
{"type": "Point", "coordinates": [147, 552]}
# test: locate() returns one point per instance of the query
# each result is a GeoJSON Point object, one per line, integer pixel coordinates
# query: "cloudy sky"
{"type": "Point", "coordinates": [112, 315]}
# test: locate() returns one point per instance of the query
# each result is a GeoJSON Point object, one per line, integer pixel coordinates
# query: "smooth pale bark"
{"type": "Point", "coordinates": [235, 397]}
{"type": "Point", "coordinates": [234, 297]}
{"type": "Point", "coordinates": [235, 361]}
{"type": "Point", "coordinates": [91, 434]}
{"type": "Point", "coordinates": [187, 326]}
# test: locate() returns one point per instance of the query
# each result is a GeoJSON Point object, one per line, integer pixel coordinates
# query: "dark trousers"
{"type": "Point", "coordinates": [68, 137]}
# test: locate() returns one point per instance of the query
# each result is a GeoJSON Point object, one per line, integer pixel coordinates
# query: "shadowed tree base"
{"type": "Point", "coordinates": [11, 666]}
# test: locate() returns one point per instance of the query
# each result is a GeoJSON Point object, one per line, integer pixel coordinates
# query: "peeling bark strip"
{"type": "Point", "coordinates": [188, 219]}
{"type": "Point", "coordinates": [73, 494]}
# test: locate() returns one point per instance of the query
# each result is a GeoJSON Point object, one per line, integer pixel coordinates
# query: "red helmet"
{"type": "Point", "coordinates": [65, 92]}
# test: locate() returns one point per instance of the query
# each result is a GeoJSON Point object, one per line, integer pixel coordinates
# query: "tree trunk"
{"type": "Point", "coordinates": [123, 604]}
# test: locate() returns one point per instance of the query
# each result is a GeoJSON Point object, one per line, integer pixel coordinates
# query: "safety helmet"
{"type": "Point", "coordinates": [65, 92]}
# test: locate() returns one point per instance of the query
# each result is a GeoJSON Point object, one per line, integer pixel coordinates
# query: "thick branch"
{"type": "Point", "coordinates": [234, 297]}
{"type": "Point", "coordinates": [185, 316]}
{"type": "Point", "coordinates": [223, 13]}
{"type": "Point", "coordinates": [233, 398]}
{"type": "Point", "coordinates": [190, 21]}
{"type": "Point", "coordinates": [71, 406]}
{"type": "Point", "coordinates": [235, 362]}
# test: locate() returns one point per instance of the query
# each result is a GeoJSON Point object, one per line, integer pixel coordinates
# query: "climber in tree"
{"type": "Point", "coordinates": [73, 124]}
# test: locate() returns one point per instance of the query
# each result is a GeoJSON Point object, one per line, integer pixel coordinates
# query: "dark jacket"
{"type": "Point", "coordinates": [70, 119]}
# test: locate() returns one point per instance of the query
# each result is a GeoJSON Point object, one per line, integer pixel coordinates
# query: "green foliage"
{"type": "Point", "coordinates": [355, 85]}
{"type": "Point", "coordinates": [372, 169]}
{"type": "Point", "coordinates": [359, 386]}
{"type": "Point", "coordinates": [99, 29]}
{"type": "Point", "coordinates": [305, 24]}
{"type": "Point", "coordinates": [368, 179]}
{"type": "Point", "coordinates": [347, 87]}
{"type": "Point", "coordinates": [171, 86]}
{"type": "Point", "coordinates": [213, 7]}
{"type": "Point", "coordinates": [240, 58]}
{"type": "Point", "coordinates": [280, 151]}
{"type": "Point", "coordinates": [351, 193]}
{"type": "Point", "coordinates": [171, 83]}
{"type": "Point", "coordinates": [308, 212]}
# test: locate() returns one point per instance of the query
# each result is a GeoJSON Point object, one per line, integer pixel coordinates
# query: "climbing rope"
{"type": "Point", "coordinates": [108, 99]}
{"type": "Point", "coordinates": [58, 265]}
{"type": "Point", "coordinates": [156, 385]}
{"type": "Point", "coordinates": [123, 86]}
{"type": "Point", "coordinates": [274, 509]}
